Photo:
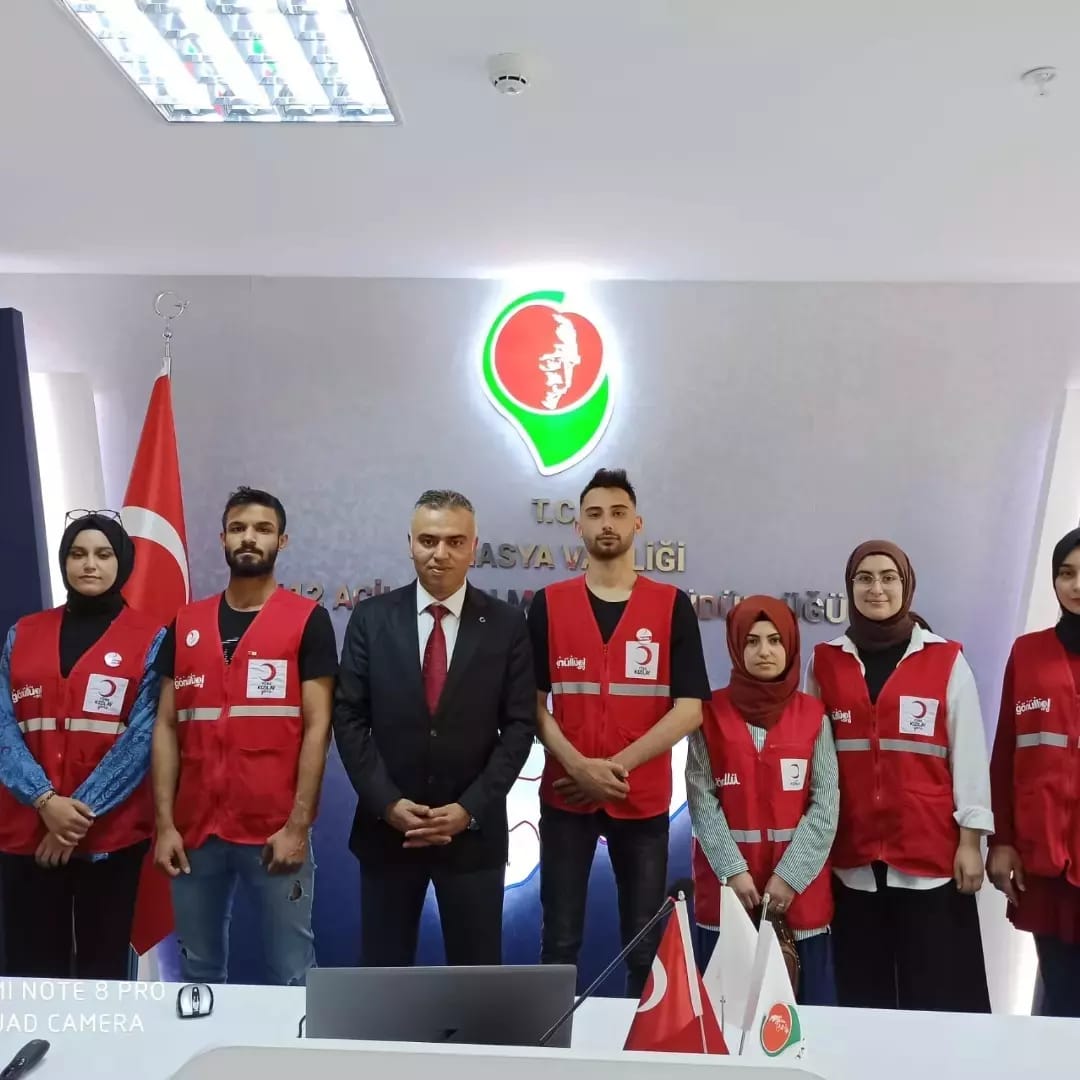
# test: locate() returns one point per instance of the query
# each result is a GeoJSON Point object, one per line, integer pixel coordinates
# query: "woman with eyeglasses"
{"type": "Point", "coordinates": [761, 789]}
{"type": "Point", "coordinates": [1035, 776]}
{"type": "Point", "coordinates": [78, 695]}
{"type": "Point", "coordinates": [914, 799]}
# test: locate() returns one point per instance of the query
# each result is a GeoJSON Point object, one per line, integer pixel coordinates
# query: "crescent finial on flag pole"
{"type": "Point", "coordinates": [174, 310]}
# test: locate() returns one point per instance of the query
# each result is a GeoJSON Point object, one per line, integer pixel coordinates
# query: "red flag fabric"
{"type": "Point", "coordinates": [153, 515]}
{"type": "Point", "coordinates": [675, 1014]}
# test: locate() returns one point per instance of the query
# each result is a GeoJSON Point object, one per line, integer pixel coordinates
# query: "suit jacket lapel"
{"type": "Point", "coordinates": [407, 637]}
{"type": "Point", "coordinates": [470, 632]}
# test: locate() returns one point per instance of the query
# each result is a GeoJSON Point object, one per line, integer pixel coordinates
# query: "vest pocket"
{"type": "Point", "coordinates": [1035, 815]}
{"type": "Point", "coordinates": [928, 832]}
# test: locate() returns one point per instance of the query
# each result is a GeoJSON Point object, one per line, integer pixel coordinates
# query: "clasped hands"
{"type": "Point", "coordinates": [594, 780]}
{"type": "Point", "coordinates": [427, 826]}
{"type": "Point", "coordinates": [66, 822]}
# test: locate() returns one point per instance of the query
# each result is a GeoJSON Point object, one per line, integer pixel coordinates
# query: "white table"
{"type": "Point", "coordinates": [843, 1044]}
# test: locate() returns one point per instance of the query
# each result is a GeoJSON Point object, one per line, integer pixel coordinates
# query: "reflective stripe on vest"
{"type": "Point", "coordinates": [1043, 738]}
{"type": "Point", "coordinates": [99, 727]}
{"type": "Point", "coordinates": [622, 689]}
{"type": "Point", "coordinates": [746, 836]}
{"type": "Point", "coordinates": [616, 689]}
{"type": "Point", "coordinates": [852, 744]}
{"type": "Point", "coordinates": [909, 746]}
{"type": "Point", "coordinates": [781, 835]}
{"type": "Point", "coordinates": [183, 715]}
{"type": "Point", "coordinates": [239, 710]}
{"type": "Point", "coordinates": [38, 723]}
{"type": "Point", "coordinates": [264, 710]}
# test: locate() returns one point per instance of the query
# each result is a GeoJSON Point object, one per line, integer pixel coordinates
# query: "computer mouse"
{"type": "Point", "coordinates": [194, 1000]}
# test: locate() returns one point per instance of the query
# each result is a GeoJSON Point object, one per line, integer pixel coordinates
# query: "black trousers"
{"type": "Point", "coordinates": [1059, 968]}
{"type": "Point", "coordinates": [70, 921]}
{"type": "Point", "coordinates": [639, 853]}
{"type": "Point", "coordinates": [908, 949]}
{"type": "Point", "coordinates": [392, 900]}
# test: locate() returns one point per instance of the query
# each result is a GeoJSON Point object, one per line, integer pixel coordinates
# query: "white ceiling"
{"type": "Point", "coordinates": [852, 140]}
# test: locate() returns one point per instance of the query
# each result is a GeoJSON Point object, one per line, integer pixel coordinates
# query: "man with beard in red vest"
{"type": "Point", "coordinates": [240, 746]}
{"type": "Point", "coordinates": [621, 656]}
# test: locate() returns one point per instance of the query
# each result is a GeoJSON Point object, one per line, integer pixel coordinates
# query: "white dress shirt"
{"type": "Point", "coordinates": [425, 621]}
{"type": "Point", "coordinates": [968, 759]}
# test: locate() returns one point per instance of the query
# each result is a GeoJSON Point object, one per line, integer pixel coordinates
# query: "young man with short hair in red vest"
{"type": "Point", "coordinates": [621, 656]}
{"type": "Point", "coordinates": [240, 747]}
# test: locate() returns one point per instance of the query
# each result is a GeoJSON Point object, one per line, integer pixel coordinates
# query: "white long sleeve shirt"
{"type": "Point", "coordinates": [969, 761]}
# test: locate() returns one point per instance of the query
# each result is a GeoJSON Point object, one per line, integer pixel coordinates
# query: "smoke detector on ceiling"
{"type": "Point", "coordinates": [508, 74]}
{"type": "Point", "coordinates": [1039, 79]}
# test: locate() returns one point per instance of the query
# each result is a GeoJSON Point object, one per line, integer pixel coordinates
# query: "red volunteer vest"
{"type": "Point", "coordinates": [764, 797]}
{"type": "Point", "coordinates": [70, 724]}
{"type": "Point", "coordinates": [1046, 768]}
{"type": "Point", "coordinates": [896, 797]}
{"type": "Point", "coordinates": [607, 696]}
{"type": "Point", "coordinates": [239, 725]}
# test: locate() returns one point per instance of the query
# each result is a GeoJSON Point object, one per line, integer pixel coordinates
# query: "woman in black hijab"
{"type": "Point", "coordinates": [1035, 779]}
{"type": "Point", "coordinates": [78, 696]}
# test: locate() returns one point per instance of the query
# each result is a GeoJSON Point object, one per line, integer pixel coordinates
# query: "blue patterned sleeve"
{"type": "Point", "coordinates": [124, 767]}
{"type": "Point", "coordinates": [20, 772]}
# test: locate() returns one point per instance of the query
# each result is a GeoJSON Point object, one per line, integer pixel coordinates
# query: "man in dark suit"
{"type": "Point", "coordinates": [434, 716]}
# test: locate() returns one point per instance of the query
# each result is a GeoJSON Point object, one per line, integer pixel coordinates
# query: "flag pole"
{"type": "Point", "coordinates": [757, 972]}
{"type": "Point", "coordinates": [174, 310]}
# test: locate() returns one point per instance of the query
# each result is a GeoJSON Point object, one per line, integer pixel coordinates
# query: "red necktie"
{"type": "Point", "coordinates": [434, 666]}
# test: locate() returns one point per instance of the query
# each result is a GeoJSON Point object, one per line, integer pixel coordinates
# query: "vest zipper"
{"type": "Point", "coordinates": [605, 699]}
{"type": "Point", "coordinates": [876, 751]}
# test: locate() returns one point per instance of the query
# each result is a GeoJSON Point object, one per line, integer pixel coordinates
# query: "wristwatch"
{"type": "Point", "coordinates": [473, 825]}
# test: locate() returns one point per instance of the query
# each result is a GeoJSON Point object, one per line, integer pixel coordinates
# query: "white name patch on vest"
{"type": "Point", "coordinates": [918, 715]}
{"type": "Point", "coordinates": [643, 657]}
{"type": "Point", "coordinates": [266, 678]}
{"type": "Point", "coordinates": [792, 773]}
{"type": "Point", "coordinates": [105, 694]}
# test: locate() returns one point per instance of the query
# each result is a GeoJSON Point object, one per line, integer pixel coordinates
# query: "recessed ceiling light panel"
{"type": "Point", "coordinates": [267, 61]}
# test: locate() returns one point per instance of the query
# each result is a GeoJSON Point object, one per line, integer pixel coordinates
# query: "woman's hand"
{"type": "Point", "coordinates": [52, 852]}
{"type": "Point", "coordinates": [68, 819]}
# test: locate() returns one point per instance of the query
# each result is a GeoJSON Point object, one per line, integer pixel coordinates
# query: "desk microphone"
{"type": "Point", "coordinates": [683, 887]}
{"type": "Point", "coordinates": [25, 1059]}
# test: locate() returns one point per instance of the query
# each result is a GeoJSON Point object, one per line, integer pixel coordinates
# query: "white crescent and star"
{"type": "Point", "coordinates": [143, 524]}
{"type": "Point", "coordinates": [659, 987]}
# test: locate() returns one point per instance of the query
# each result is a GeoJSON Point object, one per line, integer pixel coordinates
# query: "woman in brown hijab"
{"type": "Point", "coordinates": [761, 787]}
{"type": "Point", "coordinates": [914, 798]}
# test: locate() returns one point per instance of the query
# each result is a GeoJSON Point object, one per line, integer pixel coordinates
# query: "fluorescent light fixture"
{"type": "Point", "coordinates": [208, 61]}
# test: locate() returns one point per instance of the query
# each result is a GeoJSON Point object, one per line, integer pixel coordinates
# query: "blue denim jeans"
{"type": "Point", "coordinates": [202, 908]}
{"type": "Point", "coordinates": [638, 849]}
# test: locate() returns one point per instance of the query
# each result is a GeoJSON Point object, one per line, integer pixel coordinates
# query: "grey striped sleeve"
{"type": "Point", "coordinates": [810, 846]}
{"type": "Point", "coordinates": [708, 821]}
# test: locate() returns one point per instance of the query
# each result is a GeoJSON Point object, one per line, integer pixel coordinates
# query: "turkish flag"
{"type": "Point", "coordinates": [153, 515]}
{"type": "Point", "coordinates": [675, 1014]}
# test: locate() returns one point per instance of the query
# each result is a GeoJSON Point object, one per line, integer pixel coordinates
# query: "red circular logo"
{"type": "Point", "coordinates": [546, 359]}
{"type": "Point", "coordinates": [776, 1029]}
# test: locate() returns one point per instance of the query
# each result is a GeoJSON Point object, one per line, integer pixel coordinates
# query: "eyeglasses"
{"type": "Point", "coordinates": [75, 515]}
{"type": "Point", "coordinates": [889, 580]}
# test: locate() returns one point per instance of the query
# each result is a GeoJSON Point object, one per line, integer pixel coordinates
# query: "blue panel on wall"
{"type": "Point", "coordinates": [20, 490]}
{"type": "Point", "coordinates": [25, 558]}
{"type": "Point", "coordinates": [337, 905]}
